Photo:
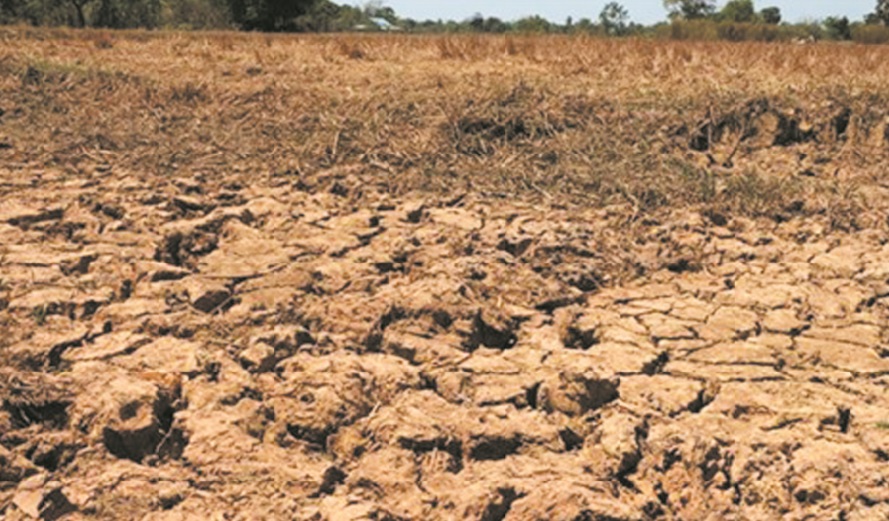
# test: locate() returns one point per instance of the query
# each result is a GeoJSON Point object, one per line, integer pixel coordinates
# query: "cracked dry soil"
{"type": "Point", "coordinates": [245, 345]}
{"type": "Point", "coordinates": [293, 353]}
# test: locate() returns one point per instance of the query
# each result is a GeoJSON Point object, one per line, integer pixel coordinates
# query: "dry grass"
{"type": "Point", "coordinates": [584, 121]}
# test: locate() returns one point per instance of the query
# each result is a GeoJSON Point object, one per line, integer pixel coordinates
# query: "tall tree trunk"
{"type": "Point", "coordinates": [78, 6]}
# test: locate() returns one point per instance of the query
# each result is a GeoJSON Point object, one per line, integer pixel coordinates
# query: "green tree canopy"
{"type": "Point", "coordinates": [268, 15]}
{"type": "Point", "coordinates": [533, 24]}
{"type": "Point", "coordinates": [771, 15]}
{"type": "Point", "coordinates": [690, 9]}
{"type": "Point", "coordinates": [614, 18]}
{"type": "Point", "coordinates": [838, 28]}
{"type": "Point", "coordinates": [739, 11]}
{"type": "Point", "coordinates": [126, 13]}
{"type": "Point", "coordinates": [882, 11]}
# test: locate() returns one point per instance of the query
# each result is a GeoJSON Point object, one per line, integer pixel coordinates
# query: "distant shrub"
{"type": "Point", "coordinates": [689, 30]}
{"type": "Point", "coordinates": [710, 30]}
{"type": "Point", "coordinates": [870, 34]}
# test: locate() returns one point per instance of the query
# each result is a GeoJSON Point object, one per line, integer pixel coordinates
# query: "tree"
{"type": "Point", "coordinates": [584, 25]}
{"type": "Point", "coordinates": [78, 8]}
{"type": "Point", "coordinates": [128, 13]}
{"type": "Point", "coordinates": [532, 24]}
{"type": "Point", "coordinates": [771, 15]}
{"type": "Point", "coordinates": [108, 14]}
{"type": "Point", "coordinates": [371, 7]}
{"type": "Point", "coordinates": [379, 9]}
{"type": "Point", "coordinates": [38, 12]}
{"type": "Point", "coordinates": [614, 18]}
{"type": "Point", "coordinates": [477, 22]}
{"type": "Point", "coordinates": [882, 11]}
{"type": "Point", "coordinates": [196, 14]}
{"type": "Point", "coordinates": [493, 24]}
{"type": "Point", "coordinates": [268, 15]}
{"type": "Point", "coordinates": [838, 28]}
{"type": "Point", "coordinates": [321, 17]}
{"type": "Point", "coordinates": [388, 14]}
{"type": "Point", "coordinates": [738, 11]}
{"type": "Point", "coordinates": [690, 9]}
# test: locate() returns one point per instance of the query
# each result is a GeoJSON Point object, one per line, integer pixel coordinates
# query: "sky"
{"type": "Point", "coordinates": [642, 11]}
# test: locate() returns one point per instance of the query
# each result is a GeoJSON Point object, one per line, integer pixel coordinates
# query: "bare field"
{"type": "Point", "coordinates": [404, 278]}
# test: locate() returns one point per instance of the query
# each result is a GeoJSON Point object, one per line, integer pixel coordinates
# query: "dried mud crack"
{"type": "Point", "coordinates": [421, 373]}
{"type": "Point", "coordinates": [324, 345]}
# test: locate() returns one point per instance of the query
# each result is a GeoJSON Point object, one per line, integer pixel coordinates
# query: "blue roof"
{"type": "Point", "coordinates": [381, 22]}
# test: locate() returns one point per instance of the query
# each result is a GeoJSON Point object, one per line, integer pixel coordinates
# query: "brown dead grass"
{"type": "Point", "coordinates": [578, 120]}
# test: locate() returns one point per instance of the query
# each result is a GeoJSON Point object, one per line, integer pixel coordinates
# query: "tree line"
{"type": "Point", "coordinates": [691, 19]}
{"type": "Point", "coordinates": [744, 12]}
{"type": "Point", "coordinates": [265, 15]}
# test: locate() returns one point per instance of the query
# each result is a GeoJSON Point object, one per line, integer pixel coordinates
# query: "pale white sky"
{"type": "Point", "coordinates": [643, 11]}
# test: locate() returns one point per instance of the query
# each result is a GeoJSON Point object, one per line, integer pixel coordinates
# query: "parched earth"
{"type": "Point", "coordinates": [397, 278]}
{"type": "Point", "coordinates": [312, 348]}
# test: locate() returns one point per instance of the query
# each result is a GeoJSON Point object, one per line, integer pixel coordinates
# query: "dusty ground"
{"type": "Point", "coordinates": [208, 315]}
